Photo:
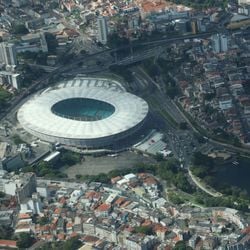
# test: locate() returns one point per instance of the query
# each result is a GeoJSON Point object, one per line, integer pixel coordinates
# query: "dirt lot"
{"type": "Point", "coordinates": [104, 164]}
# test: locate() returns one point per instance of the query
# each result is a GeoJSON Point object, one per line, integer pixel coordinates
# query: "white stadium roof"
{"type": "Point", "coordinates": [36, 115]}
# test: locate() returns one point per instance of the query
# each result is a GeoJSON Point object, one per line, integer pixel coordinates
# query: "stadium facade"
{"type": "Point", "coordinates": [85, 112]}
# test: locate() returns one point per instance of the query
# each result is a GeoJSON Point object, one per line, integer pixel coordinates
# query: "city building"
{"type": "Point", "coordinates": [102, 29]}
{"type": "Point", "coordinates": [219, 43]}
{"type": "Point", "coordinates": [223, 43]}
{"type": "Point", "coordinates": [9, 78]}
{"type": "Point", "coordinates": [22, 186]}
{"type": "Point", "coordinates": [243, 2]}
{"type": "Point", "coordinates": [8, 54]}
{"type": "Point", "coordinates": [33, 43]}
{"type": "Point", "coordinates": [216, 43]}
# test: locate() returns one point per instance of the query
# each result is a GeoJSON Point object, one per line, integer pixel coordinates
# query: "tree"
{"type": "Point", "coordinates": [147, 230]}
{"type": "Point", "coordinates": [17, 139]}
{"type": "Point", "coordinates": [25, 240]}
{"type": "Point", "coordinates": [51, 42]}
{"type": "Point", "coordinates": [72, 244]}
{"type": "Point", "coordinates": [159, 157]}
{"type": "Point", "coordinates": [70, 158]}
{"type": "Point", "coordinates": [122, 71]}
{"type": "Point", "coordinates": [181, 245]}
{"type": "Point", "coordinates": [6, 232]}
{"type": "Point", "coordinates": [172, 91]}
{"type": "Point", "coordinates": [200, 159]}
{"type": "Point", "coordinates": [183, 125]}
{"type": "Point", "coordinates": [19, 29]}
{"type": "Point", "coordinates": [44, 220]}
{"type": "Point", "coordinates": [4, 96]}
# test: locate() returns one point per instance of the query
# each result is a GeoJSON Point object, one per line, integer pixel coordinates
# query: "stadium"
{"type": "Point", "coordinates": [85, 112]}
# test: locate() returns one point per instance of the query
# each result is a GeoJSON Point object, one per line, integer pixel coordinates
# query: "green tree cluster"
{"type": "Point", "coordinates": [17, 139]}
{"type": "Point", "coordinates": [6, 232]}
{"type": "Point", "coordinates": [224, 201]}
{"type": "Point", "coordinates": [19, 29]}
{"type": "Point", "coordinates": [4, 97]}
{"type": "Point", "coordinates": [51, 42]}
{"type": "Point", "coordinates": [181, 245]}
{"type": "Point", "coordinates": [168, 170]}
{"type": "Point", "coordinates": [69, 158]}
{"type": "Point", "coordinates": [147, 230]}
{"type": "Point", "coordinates": [122, 71]}
{"type": "Point", "coordinates": [44, 169]}
{"type": "Point", "coordinates": [71, 244]}
{"type": "Point", "coordinates": [151, 68]}
{"type": "Point", "coordinates": [25, 240]}
{"type": "Point", "coordinates": [202, 4]}
{"type": "Point", "coordinates": [44, 220]}
{"type": "Point", "coordinates": [38, 57]}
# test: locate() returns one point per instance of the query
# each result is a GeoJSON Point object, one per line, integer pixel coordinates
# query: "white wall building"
{"type": "Point", "coordinates": [219, 43]}
{"type": "Point", "coordinates": [8, 54]}
{"type": "Point", "coordinates": [22, 185]}
{"type": "Point", "coordinates": [33, 205]}
{"type": "Point", "coordinates": [242, 2]}
{"type": "Point", "coordinates": [102, 29]}
{"type": "Point", "coordinates": [223, 43]}
{"type": "Point", "coordinates": [10, 78]}
{"type": "Point", "coordinates": [216, 43]}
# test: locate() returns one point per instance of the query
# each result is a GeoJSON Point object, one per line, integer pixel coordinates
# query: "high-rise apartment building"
{"type": "Point", "coordinates": [102, 29]}
{"type": "Point", "coordinates": [8, 54]}
{"type": "Point", "coordinates": [216, 43]}
{"type": "Point", "coordinates": [223, 43]}
{"type": "Point", "coordinates": [219, 43]}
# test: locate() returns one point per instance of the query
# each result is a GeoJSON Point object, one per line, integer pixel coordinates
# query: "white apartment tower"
{"type": "Point", "coordinates": [223, 43]}
{"type": "Point", "coordinates": [216, 43]}
{"type": "Point", "coordinates": [219, 43]}
{"type": "Point", "coordinates": [243, 2]}
{"type": "Point", "coordinates": [8, 54]}
{"type": "Point", "coordinates": [102, 29]}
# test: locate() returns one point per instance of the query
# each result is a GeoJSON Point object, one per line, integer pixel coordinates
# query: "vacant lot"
{"type": "Point", "coordinates": [104, 164]}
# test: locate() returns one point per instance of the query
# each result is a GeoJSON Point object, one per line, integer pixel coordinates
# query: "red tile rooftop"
{"type": "Point", "coordinates": [129, 229]}
{"type": "Point", "coordinates": [55, 220]}
{"type": "Point", "coordinates": [142, 175]}
{"type": "Point", "coordinates": [45, 228]}
{"type": "Point", "coordinates": [150, 181]}
{"type": "Point", "coordinates": [58, 210]}
{"type": "Point", "coordinates": [90, 239]}
{"type": "Point", "coordinates": [8, 243]}
{"type": "Point", "coordinates": [246, 230]}
{"type": "Point", "coordinates": [126, 204]}
{"type": "Point", "coordinates": [115, 179]}
{"type": "Point", "coordinates": [23, 216]}
{"type": "Point", "coordinates": [69, 225]}
{"type": "Point", "coordinates": [74, 234]}
{"type": "Point", "coordinates": [177, 238]}
{"type": "Point", "coordinates": [119, 201]}
{"type": "Point", "coordinates": [160, 228]}
{"type": "Point", "coordinates": [93, 195]}
{"type": "Point", "coordinates": [62, 200]}
{"type": "Point", "coordinates": [146, 223]}
{"type": "Point", "coordinates": [150, 6]}
{"type": "Point", "coordinates": [103, 207]}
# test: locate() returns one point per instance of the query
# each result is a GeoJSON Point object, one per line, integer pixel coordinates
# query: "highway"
{"type": "Point", "coordinates": [168, 104]}
{"type": "Point", "coordinates": [45, 80]}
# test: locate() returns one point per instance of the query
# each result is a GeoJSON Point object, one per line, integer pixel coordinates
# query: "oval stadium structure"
{"type": "Point", "coordinates": [89, 112]}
